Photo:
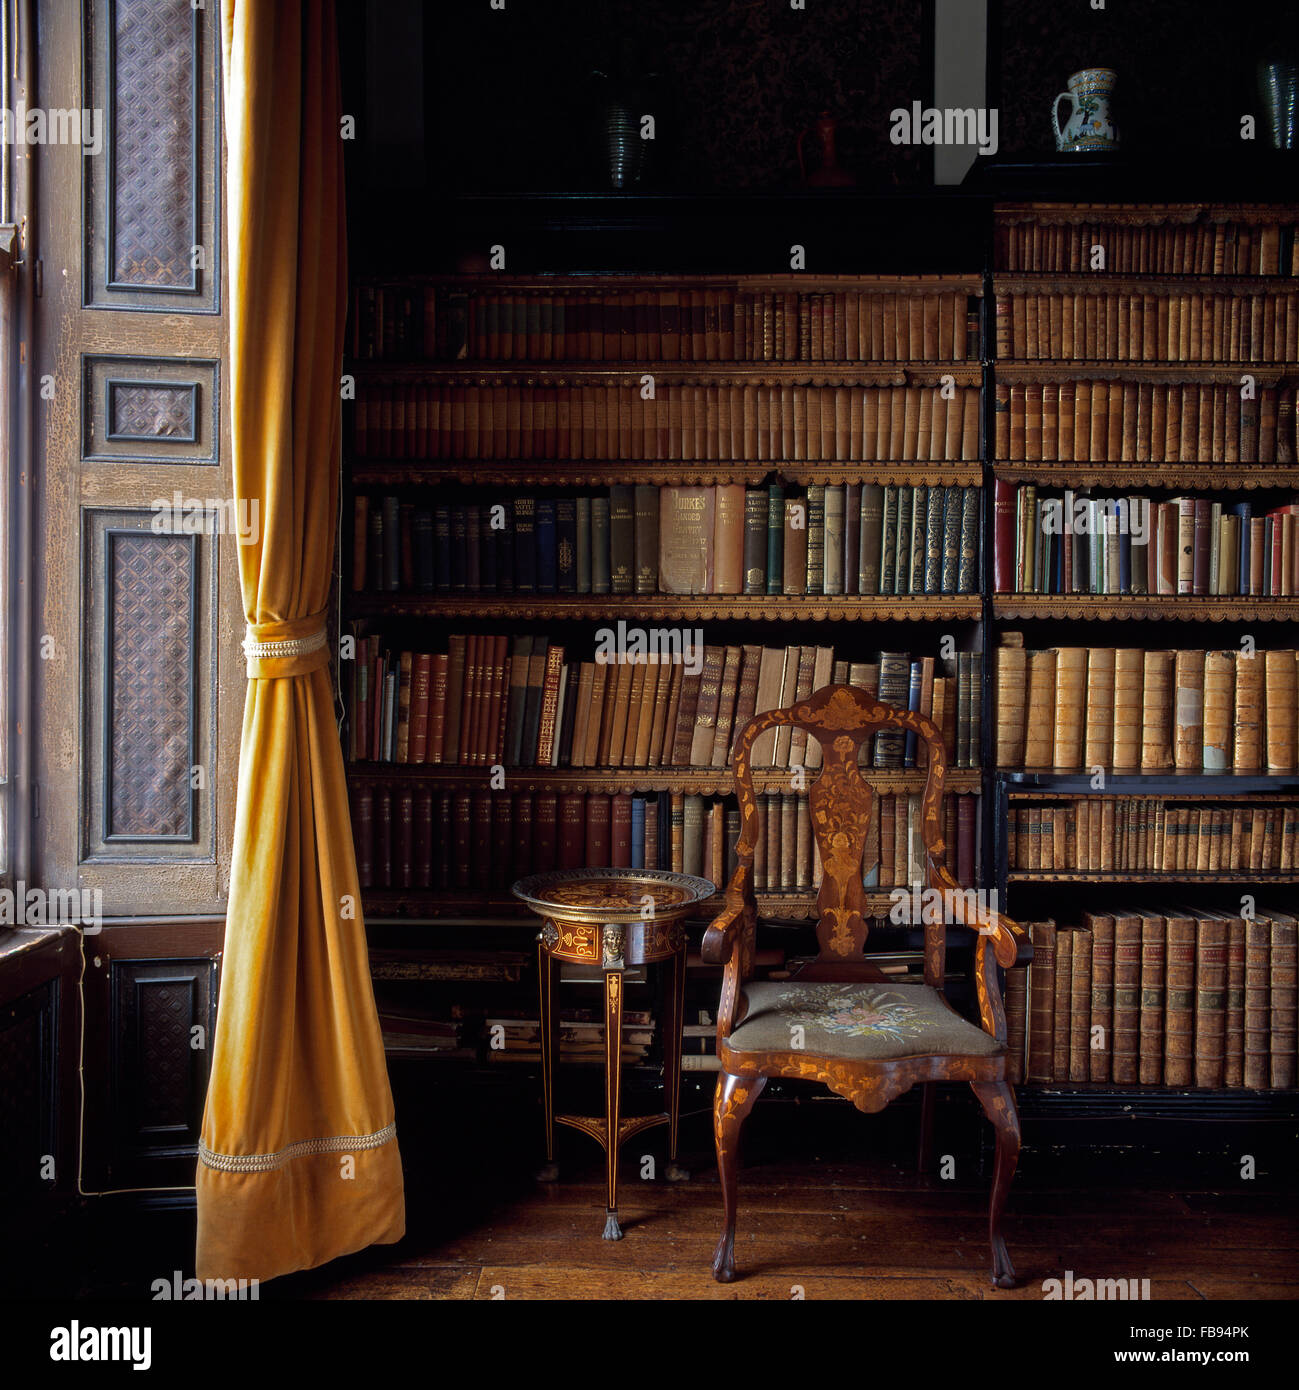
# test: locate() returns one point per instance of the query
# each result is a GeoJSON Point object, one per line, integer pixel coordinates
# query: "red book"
{"type": "Point", "coordinates": [598, 847]}
{"type": "Point", "coordinates": [965, 841]}
{"type": "Point", "coordinates": [442, 841]}
{"type": "Point", "coordinates": [437, 708]}
{"type": "Point", "coordinates": [1003, 508]}
{"type": "Point", "coordinates": [1200, 573]}
{"type": "Point", "coordinates": [572, 829]}
{"type": "Point", "coordinates": [621, 831]}
{"type": "Point", "coordinates": [1275, 582]}
{"type": "Point", "coordinates": [420, 683]}
{"type": "Point", "coordinates": [522, 820]}
{"type": "Point", "coordinates": [490, 748]}
{"type": "Point", "coordinates": [545, 811]}
{"type": "Point", "coordinates": [469, 699]}
{"type": "Point", "coordinates": [423, 855]}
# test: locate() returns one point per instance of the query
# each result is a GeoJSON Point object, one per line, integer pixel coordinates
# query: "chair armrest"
{"type": "Point", "coordinates": [1011, 944]}
{"type": "Point", "coordinates": [723, 932]}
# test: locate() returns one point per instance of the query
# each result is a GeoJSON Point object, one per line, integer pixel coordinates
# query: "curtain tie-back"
{"type": "Point", "coordinates": [290, 648]}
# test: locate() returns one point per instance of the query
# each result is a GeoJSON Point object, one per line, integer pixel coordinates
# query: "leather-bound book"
{"type": "Point", "coordinates": [422, 854]}
{"type": "Point", "coordinates": [622, 538]}
{"type": "Point", "coordinates": [652, 859]}
{"type": "Point", "coordinates": [1247, 739]}
{"type": "Point", "coordinates": [848, 569]}
{"type": "Point", "coordinates": [601, 581]}
{"type": "Point", "coordinates": [1211, 970]}
{"type": "Point", "coordinates": [726, 703]}
{"type": "Point", "coordinates": [1016, 1023]}
{"type": "Point", "coordinates": [1127, 997]}
{"type": "Point", "coordinates": [775, 538]}
{"type": "Point", "coordinates": [894, 689]}
{"type": "Point", "coordinates": [435, 747]}
{"type": "Point", "coordinates": [705, 725]}
{"type": "Point", "coordinates": [1039, 718]}
{"type": "Point", "coordinates": [966, 834]}
{"type": "Point", "coordinates": [692, 837]}
{"type": "Point", "coordinates": [1004, 536]}
{"type": "Point", "coordinates": [814, 562]}
{"type": "Point", "coordinates": [624, 754]}
{"type": "Point", "coordinates": [869, 545]}
{"type": "Point", "coordinates": [525, 544]}
{"type": "Point", "coordinates": [617, 708]}
{"type": "Point", "coordinates": [532, 703]}
{"type": "Point", "coordinates": [1219, 709]}
{"type": "Point", "coordinates": [746, 696]}
{"type": "Point", "coordinates": [1151, 1022]}
{"type": "Point", "coordinates": [889, 540]}
{"type": "Point", "coordinates": [421, 673]}
{"type": "Point", "coordinates": [1156, 711]}
{"type": "Point", "coordinates": [686, 536]}
{"type": "Point", "coordinates": [1257, 1022]}
{"type": "Point", "coordinates": [951, 539]}
{"type": "Point", "coordinates": [1283, 1021]}
{"type": "Point", "coordinates": [1011, 666]}
{"type": "Point", "coordinates": [1179, 1002]}
{"type": "Point", "coordinates": [620, 850]}
{"type": "Point", "coordinates": [1281, 708]}
{"type": "Point", "coordinates": [582, 712]}
{"type": "Point", "coordinates": [521, 834]}
{"type": "Point", "coordinates": [599, 830]}
{"type": "Point", "coordinates": [687, 710]}
{"type": "Point", "coordinates": [645, 540]}
{"type": "Point", "coordinates": [967, 570]}
{"type": "Point", "coordinates": [362, 805]}
{"type": "Point", "coordinates": [1101, 1003]}
{"type": "Point", "coordinates": [1041, 1002]}
{"type": "Point", "coordinates": [794, 558]}
{"type": "Point", "coordinates": [1063, 1003]}
{"type": "Point", "coordinates": [834, 502]}
{"type": "Point", "coordinates": [1188, 709]}
{"type": "Point", "coordinates": [1129, 675]}
{"type": "Point", "coordinates": [461, 868]}
{"type": "Point", "coordinates": [1098, 744]}
{"type": "Point", "coordinates": [1070, 706]}
{"type": "Point", "coordinates": [728, 539]}
{"type": "Point", "coordinates": [802, 844]}
{"type": "Point", "coordinates": [1080, 994]}
{"type": "Point", "coordinates": [755, 541]}
{"type": "Point", "coordinates": [457, 653]}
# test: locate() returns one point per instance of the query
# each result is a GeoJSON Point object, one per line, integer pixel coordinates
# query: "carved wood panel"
{"type": "Point", "coordinates": [151, 232]}
{"type": "Point", "coordinates": [159, 1061]}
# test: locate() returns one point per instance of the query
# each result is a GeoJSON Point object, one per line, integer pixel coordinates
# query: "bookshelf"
{"type": "Point", "coordinates": [1150, 341]}
{"type": "Point", "coordinates": [943, 234]}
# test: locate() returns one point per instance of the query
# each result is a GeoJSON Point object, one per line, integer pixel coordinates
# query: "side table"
{"type": "Point", "coordinates": [612, 918]}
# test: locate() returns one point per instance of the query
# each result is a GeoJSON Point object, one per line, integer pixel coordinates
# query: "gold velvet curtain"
{"type": "Point", "coordinates": [298, 1161]}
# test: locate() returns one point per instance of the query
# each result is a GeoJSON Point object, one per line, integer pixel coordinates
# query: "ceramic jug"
{"type": "Point", "coordinates": [1090, 125]}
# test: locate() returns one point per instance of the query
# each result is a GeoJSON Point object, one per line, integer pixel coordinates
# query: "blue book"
{"type": "Point", "coordinates": [525, 549]}
{"type": "Point", "coordinates": [638, 832]}
{"type": "Point", "coordinates": [547, 548]}
{"type": "Point", "coordinates": [566, 538]}
{"type": "Point", "coordinates": [1125, 563]}
{"type": "Point", "coordinates": [913, 703]}
{"type": "Point", "coordinates": [442, 548]}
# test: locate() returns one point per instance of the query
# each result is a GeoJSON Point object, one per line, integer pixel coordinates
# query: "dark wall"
{"type": "Point", "coordinates": [510, 100]}
{"type": "Point", "coordinates": [1185, 68]}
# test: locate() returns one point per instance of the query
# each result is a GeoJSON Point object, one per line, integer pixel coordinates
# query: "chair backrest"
{"type": "Point", "coordinates": [841, 718]}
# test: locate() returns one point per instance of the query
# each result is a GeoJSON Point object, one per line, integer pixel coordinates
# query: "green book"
{"type": "Point", "coordinates": [646, 539]}
{"type": "Point", "coordinates": [951, 537]}
{"type": "Point", "coordinates": [583, 564]}
{"type": "Point", "coordinates": [600, 545]}
{"type": "Point", "coordinates": [934, 541]}
{"type": "Point", "coordinates": [919, 553]}
{"type": "Point", "coordinates": [889, 539]}
{"type": "Point", "coordinates": [902, 541]}
{"type": "Point", "coordinates": [775, 539]}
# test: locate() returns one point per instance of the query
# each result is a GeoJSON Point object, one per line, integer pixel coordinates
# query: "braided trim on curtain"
{"type": "Point", "coordinates": [262, 1163]}
{"type": "Point", "coordinates": [287, 646]}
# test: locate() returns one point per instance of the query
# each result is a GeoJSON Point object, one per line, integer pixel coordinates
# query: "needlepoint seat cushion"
{"type": "Point", "coordinates": [856, 1020]}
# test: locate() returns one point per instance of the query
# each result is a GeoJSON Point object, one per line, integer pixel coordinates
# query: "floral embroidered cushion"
{"type": "Point", "coordinates": [866, 1020]}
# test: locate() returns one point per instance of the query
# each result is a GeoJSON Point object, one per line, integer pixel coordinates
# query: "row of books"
{"type": "Point", "coordinates": [1119, 834]}
{"type": "Point", "coordinates": [1188, 244]}
{"type": "Point", "coordinates": [551, 321]}
{"type": "Point", "coordinates": [515, 1036]}
{"type": "Point", "coordinates": [522, 702]}
{"type": "Point", "coordinates": [422, 837]}
{"type": "Point", "coordinates": [851, 538]}
{"type": "Point", "coordinates": [621, 420]}
{"type": "Point", "coordinates": [1064, 542]}
{"type": "Point", "coordinates": [1123, 326]}
{"type": "Point", "coordinates": [1141, 422]}
{"type": "Point", "coordinates": [1128, 709]}
{"type": "Point", "coordinates": [1177, 997]}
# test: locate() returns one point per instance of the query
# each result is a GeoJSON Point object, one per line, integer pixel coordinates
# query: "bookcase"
{"type": "Point", "coordinates": [621, 391]}
{"type": "Point", "coordinates": [1145, 793]}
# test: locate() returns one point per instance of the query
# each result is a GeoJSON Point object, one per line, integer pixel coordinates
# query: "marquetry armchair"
{"type": "Point", "coordinates": [839, 1020]}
